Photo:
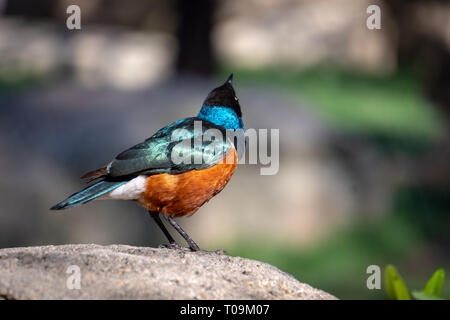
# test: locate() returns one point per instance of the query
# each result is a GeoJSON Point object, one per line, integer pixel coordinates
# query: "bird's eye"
{"type": "Point", "coordinates": [236, 98]}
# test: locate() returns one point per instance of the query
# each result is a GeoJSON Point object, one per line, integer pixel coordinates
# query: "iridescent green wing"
{"type": "Point", "coordinates": [176, 148]}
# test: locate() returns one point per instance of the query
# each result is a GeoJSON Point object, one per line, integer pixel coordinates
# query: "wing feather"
{"type": "Point", "coordinates": [154, 155]}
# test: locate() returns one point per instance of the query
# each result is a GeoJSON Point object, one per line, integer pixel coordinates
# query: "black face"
{"type": "Point", "coordinates": [224, 96]}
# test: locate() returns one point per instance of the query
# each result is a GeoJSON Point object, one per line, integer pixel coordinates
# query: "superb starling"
{"type": "Point", "coordinates": [152, 174]}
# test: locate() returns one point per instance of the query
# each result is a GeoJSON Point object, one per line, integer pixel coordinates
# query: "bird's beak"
{"type": "Point", "coordinates": [230, 79]}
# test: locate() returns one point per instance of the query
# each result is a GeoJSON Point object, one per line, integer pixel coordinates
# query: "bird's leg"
{"type": "Point", "coordinates": [156, 218]}
{"type": "Point", "coordinates": [192, 244]}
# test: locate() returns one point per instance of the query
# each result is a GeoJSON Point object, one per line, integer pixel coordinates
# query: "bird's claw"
{"type": "Point", "coordinates": [170, 246]}
{"type": "Point", "coordinates": [221, 252]}
{"type": "Point", "coordinates": [177, 246]}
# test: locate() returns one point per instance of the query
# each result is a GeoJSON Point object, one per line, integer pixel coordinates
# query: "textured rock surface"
{"type": "Point", "coordinates": [125, 272]}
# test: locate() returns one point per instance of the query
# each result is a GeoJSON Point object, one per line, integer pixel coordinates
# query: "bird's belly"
{"type": "Point", "coordinates": [183, 194]}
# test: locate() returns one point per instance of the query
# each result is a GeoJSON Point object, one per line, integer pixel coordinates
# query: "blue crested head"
{"type": "Point", "coordinates": [222, 107]}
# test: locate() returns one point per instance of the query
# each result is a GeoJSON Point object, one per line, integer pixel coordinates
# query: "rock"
{"type": "Point", "coordinates": [126, 272]}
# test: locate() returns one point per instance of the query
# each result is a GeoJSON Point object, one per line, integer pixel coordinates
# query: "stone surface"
{"type": "Point", "coordinates": [126, 272]}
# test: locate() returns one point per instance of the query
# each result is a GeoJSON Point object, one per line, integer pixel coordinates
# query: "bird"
{"type": "Point", "coordinates": [150, 173]}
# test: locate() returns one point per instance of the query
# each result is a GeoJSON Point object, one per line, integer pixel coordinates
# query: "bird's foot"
{"type": "Point", "coordinates": [220, 252]}
{"type": "Point", "coordinates": [193, 249]}
{"type": "Point", "coordinates": [170, 246]}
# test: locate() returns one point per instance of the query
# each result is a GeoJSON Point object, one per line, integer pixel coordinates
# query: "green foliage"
{"type": "Point", "coordinates": [434, 285]}
{"type": "Point", "coordinates": [396, 288]}
{"type": "Point", "coordinates": [420, 295]}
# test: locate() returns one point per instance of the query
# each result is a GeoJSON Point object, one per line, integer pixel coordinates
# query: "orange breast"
{"type": "Point", "coordinates": [183, 194]}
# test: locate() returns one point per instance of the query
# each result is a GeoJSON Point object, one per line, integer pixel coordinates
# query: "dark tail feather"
{"type": "Point", "coordinates": [87, 194]}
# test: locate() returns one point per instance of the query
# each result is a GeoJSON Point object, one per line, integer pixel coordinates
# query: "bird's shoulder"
{"type": "Point", "coordinates": [187, 124]}
{"type": "Point", "coordinates": [184, 128]}
{"type": "Point", "coordinates": [153, 155]}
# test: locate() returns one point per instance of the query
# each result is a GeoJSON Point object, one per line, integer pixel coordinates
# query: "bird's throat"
{"type": "Point", "coordinates": [221, 116]}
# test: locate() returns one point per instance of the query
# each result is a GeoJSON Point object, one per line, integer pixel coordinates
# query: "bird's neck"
{"type": "Point", "coordinates": [221, 116]}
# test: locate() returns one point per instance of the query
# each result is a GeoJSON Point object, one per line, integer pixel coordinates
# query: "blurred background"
{"type": "Point", "coordinates": [364, 119]}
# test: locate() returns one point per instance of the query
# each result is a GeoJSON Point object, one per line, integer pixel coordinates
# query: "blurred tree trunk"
{"type": "Point", "coordinates": [195, 24]}
{"type": "Point", "coordinates": [425, 49]}
{"type": "Point", "coordinates": [428, 50]}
